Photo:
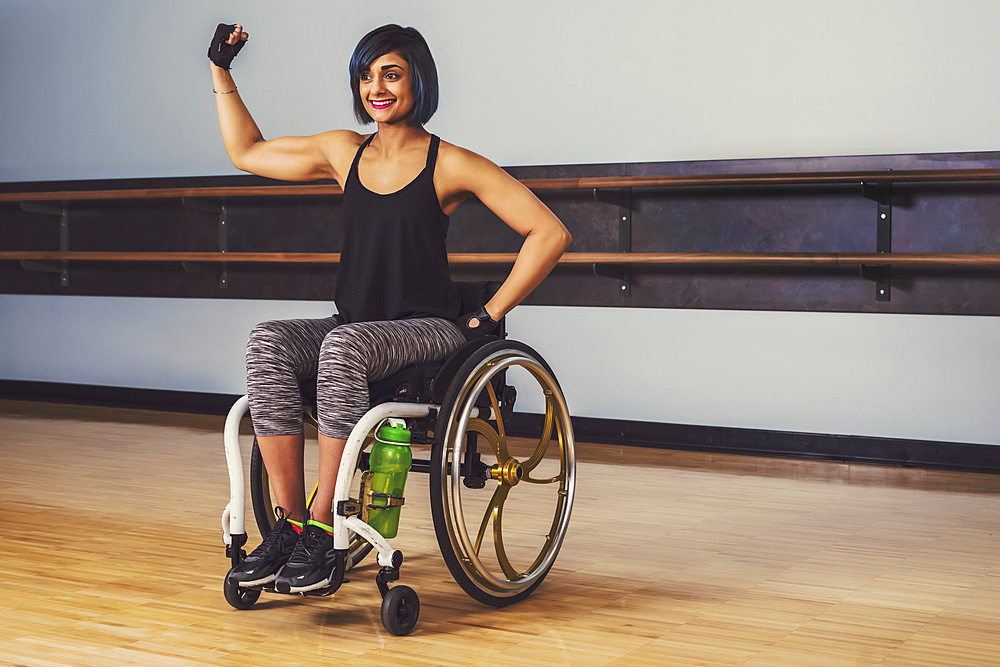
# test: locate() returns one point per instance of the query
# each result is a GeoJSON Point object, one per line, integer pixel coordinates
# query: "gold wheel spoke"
{"type": "Point", "coordinates": [501, 553]}
{"type": "Point", "coordinates": [491, 510]}
{"type": "Point", "coordinates": [544, 439]}
{"type": "Point", "coordinates": [482, 427]}
{"type": "Point", "coordinates": [552, 531]}
{"type": "Point", "coordinates": [550, 480]}
{"type": "Point", "coordinates": [501, 448]}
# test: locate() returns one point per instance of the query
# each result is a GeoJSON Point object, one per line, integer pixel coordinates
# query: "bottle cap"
{"type": "Point", "coordinates": [393, 434]}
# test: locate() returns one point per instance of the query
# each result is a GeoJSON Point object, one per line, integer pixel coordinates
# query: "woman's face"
{"type": "Point", "coordinates": [385, 89]}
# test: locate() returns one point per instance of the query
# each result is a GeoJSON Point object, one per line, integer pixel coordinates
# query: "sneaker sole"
{"type": "Point", "coordinates": [257, 582]}
{"type": "Point", "coordinates": [285, 587]}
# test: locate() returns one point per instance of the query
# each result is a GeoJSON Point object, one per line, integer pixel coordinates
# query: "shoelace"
{"type": "Point", "coordinates": [273, 536]}
{"type": "Point", "coordinates": [311, 542]}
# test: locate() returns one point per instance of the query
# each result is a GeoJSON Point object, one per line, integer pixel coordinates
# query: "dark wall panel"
{"type": "Point", "coordinates": [947, 218]}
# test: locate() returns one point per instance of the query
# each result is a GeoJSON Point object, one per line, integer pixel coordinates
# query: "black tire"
{"type": "Point", "coordinates": [260, 493]}
{"type": "Point", "coordinates": [263, 508]}
{"type": "Point", "coordinates": [237, 596]}
{"type": "Point", "coordinates": [400, 610]}
{"type": "Point", "coordinates": [496, 580]}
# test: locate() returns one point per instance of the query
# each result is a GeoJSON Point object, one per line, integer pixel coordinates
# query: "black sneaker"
{"type": "Point", "coordinates": [311, 565]}
{"type": "Point", "coordinates": [263, 563]}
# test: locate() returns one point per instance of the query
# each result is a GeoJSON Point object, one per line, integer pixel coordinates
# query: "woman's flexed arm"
{"type": "Point", "coordinates": [285, 158]}
{"type": "Point", "coordinates": [545, 237]}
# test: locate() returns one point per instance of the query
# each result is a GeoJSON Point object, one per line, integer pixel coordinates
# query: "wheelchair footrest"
{"type": "Point", "coordinates": [319, 592]}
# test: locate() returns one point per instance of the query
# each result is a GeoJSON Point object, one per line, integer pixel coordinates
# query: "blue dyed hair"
{"type": "Point", "coordinates": [409, 44]}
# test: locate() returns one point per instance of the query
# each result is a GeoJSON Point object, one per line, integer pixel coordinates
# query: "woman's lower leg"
{"type": "Point", "coordinates": [283, 458]}
{"type": "Point", "coordinates": [331, 451]}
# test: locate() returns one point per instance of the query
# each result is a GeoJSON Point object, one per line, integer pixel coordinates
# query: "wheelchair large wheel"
{"type": "Point", "coordinates": [263, 505]}
{"type": "Point", "coordinates": [500, 540]}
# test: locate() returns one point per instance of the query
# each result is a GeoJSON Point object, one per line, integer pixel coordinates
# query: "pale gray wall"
{"type": "Point", "coordinates": [108, 89]}
{"type": "Point", "coordinates": [902, 376]}
{"type": "Point", "coordinates": [120, 88]}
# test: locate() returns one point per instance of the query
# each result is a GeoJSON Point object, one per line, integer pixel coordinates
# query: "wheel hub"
{"type": "Point", "coordinates": [509, 472]}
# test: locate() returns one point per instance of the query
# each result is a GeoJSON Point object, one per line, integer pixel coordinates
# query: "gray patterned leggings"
{"type": "Point", "coordinates": [342, 357]}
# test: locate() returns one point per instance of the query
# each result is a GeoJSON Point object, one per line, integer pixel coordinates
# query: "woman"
{"type": "Point", "coordinates": [397, 304]}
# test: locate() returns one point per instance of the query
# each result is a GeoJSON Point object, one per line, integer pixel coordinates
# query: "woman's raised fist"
{"type": "Point", "coordinates": [227, 42]}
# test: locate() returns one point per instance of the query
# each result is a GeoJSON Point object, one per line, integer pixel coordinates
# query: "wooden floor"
{"type": "Point", "coordinates": [111, 553]}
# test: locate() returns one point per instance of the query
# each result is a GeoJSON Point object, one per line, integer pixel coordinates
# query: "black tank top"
{"type": "Point", "coordinates": [394, 262]}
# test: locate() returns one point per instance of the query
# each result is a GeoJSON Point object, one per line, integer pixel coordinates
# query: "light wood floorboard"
{"type": "Point", "coordinates": [112, 553]}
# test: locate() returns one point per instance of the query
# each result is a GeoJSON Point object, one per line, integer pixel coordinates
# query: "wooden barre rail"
{"type": "Point", "coordinates": [708, 180]}
{"type": "Point", "coordinates": [638, 258]}
{"type": "Point", "coordinates": [762, 258]}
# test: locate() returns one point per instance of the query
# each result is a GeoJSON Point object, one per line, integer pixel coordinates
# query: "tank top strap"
{"type": "Point", "coordinates": [353, 173]}
{"type": "Point", "coordinates": [432, 154]}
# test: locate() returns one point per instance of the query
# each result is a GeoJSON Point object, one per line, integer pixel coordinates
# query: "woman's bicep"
{"type": "Point", "coordinates": [289, 159]}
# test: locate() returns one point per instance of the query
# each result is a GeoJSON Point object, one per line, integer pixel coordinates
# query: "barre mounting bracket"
{"type": "Point", "coordinates": [62, 211]}
{"type": "Point", "coordinates": [221, 209]}
{"type": "Point", "coordinates": [881, 274]}
{"type": "Point", "coordinates": [620, 272]}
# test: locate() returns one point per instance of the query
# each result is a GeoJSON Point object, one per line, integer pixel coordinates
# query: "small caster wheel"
{"type": "Point", "coordinates": [239, 597]}
{"type": "Point", "coordinates": [400, 609]}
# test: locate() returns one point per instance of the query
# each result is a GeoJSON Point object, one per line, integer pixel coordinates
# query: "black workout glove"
{"type": "Point", "coordinates": [482, 324]}
{"type": "Point", "coordinates": [219, 52]}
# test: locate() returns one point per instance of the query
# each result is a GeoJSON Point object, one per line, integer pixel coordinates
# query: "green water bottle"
{"type": "Point", "coordinates": [389, 462]}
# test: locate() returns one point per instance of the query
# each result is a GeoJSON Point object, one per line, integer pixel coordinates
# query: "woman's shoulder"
{"type": "Point", "coordinates": [340, 147]}
{"type": "Point", "coordinates": [450, 151]}
{"type": "Point", "coordinates": [342, 140]}
{"type": "Point", "coordinates": [460, 161]}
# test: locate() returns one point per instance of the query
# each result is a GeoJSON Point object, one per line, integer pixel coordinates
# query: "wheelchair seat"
{"type": "Point", "coordinates": [427, 383]}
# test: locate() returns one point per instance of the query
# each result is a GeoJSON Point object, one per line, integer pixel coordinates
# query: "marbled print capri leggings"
{"type": "Point", "coordinates": [342, 357]}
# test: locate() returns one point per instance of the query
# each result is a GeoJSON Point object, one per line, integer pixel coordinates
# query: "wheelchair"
{"type": "Point", "coordinates": [453, 407]}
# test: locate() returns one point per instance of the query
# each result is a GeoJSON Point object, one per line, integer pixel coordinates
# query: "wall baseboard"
{"type": "Point", "coordinates": [957, 456]}
{"type": "Point", "coordinates": [118, 397]}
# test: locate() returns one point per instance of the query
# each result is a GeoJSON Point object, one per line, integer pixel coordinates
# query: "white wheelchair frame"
{"type": "Point", "coordinates": [234, 515]}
